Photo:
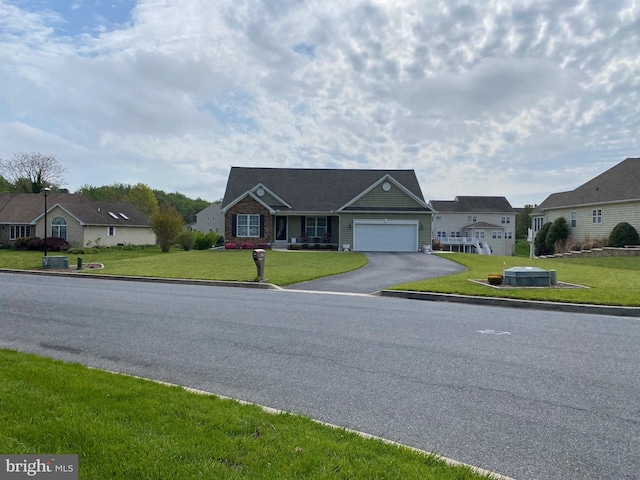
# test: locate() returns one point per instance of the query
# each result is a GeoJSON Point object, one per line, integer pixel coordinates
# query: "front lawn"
{"type": "Point", "coordinates": [128, 428]}
{"type": "Point", "coordinates": [612, 280]}
{"type": "Point", "coordinates": [281, 267]}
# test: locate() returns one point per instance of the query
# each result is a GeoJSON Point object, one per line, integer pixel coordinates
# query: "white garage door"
{"type": "Point", "coordinates": [385, 237]}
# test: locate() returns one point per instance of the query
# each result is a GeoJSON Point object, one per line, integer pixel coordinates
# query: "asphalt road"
{"type": "Point", "coordinates": [532, 395]}
{"type": "Point", "coordinates": [384, 270]}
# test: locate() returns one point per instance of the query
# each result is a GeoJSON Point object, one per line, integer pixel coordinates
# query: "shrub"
{"type": "Point", "coordinates": [83, 250]}
{"type": "Point", "coordinates": [591, 244]}
{"type": "Point", "coordinates": [246, 246]}
{"type": "Point", "coordinates": [294, 246]}
{"type": "Point", "coordinates": [494, 279]}
{"type": "Point", "coordinates": [231, 246]}
{"type": "Point", "coordinates": [25, 243]}
{"type": "Point", "coordinates": [54, 244]}
{"type": "Point", "coordinates": [539, 244]}
{"type": "Point", "coordinates": [186, 239]}
{"type": "Point", "coordinates": [436, 245]}
{"type": "Point", "coordinates": [623, 234]}
{"type": "Point", "coordinates": [204, 241]}
{"type": "Point", "coordinates": [558, 233]}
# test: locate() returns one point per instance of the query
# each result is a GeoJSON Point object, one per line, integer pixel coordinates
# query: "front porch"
{"type": "Point", "coordinates": [464, 245]}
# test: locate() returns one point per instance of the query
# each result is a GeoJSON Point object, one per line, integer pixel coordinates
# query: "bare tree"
{"type": "Point", "coordinates": [31, 172]}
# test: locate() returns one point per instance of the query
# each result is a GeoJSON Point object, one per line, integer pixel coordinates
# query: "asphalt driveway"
{"type": "Point", "coordinates": [384, 270]}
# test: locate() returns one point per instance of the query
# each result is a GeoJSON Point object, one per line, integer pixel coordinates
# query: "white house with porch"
{"type": "Point", "coordinates": [483, 225]}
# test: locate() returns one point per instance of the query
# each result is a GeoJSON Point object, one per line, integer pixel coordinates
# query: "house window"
{"type": "Point", "coordinates": [508, 234]}
{"type": "Point", "coordinates": [597, 216]}
{"type": "Point", "coordinates": [455, 234]}
{"type": "Point", "coordinates": [472, 218]}
{"type": "Point", "coordinates": [441, 234]}
{"type": "Point", "coordinates": [111, 231]}
{"type": "Point", "coordinates": [574, 219]}
{"type": "Point", "coordinates": [19, 231]}
{"type": "Point", "coordinates": [59, 228]}
{"type": "Point", "coordinates": [496, 234]}
{"type": "Point", "coordinates": [316, 226]}
{"type": "Point", "coordinates": [479, 233]}
{"type": "Point", "coordinates": [505, 219]}
{"type": "Point", "coordinates": [248, 226]}
{"type": "Point", "coordinates": [537, 223]}
{"type": "Point", "coordinates": [438, 218]}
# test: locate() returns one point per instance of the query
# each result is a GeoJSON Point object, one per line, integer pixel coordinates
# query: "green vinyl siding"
{"type": "Point", "coordinates": [394, 198]}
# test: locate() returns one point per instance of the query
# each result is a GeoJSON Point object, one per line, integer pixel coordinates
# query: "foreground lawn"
{"type": "Point", "coordinates": [612, 281]}
{"type": "Point", "coordinates": [281, 267]}
{"type": "Point", "coordinates": [124, 428]}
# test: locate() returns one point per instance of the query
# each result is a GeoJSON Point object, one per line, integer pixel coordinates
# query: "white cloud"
{"type": "Point", "coordinates": [493, 98]}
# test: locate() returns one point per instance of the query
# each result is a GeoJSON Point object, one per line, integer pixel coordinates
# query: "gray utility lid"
{"type": "Point", "coordinates": [524, 269]}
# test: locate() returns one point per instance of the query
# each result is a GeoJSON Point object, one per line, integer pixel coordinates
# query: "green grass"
{"type": "Point", "coordinates": [123, 428]}
{"type": "Point", "coordinates": [281, 267]}
{"type": "Point", "coordinates": [612, 280]}
{"type": "Point", "coordinates": [522, 248]}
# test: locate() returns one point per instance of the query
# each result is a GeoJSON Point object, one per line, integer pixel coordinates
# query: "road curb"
{"type": "Point", "coordinates": [616, 311]}
{"type": "Point", "coordinates": [515, 303]}
{"type": "Point", "coordinates": [178, 281]}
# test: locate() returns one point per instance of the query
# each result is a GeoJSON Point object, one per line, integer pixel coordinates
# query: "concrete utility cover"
{"type": "Point", "coordinates": [525, 269]}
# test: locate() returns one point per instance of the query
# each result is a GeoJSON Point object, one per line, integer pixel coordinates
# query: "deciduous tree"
{"type": "Point", "coordinates": [32, 172]}
{"type": "Point", "coordinates": [167, 225]}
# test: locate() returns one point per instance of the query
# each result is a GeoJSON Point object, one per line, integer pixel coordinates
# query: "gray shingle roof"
{"type": "Point", "coordinates": [24, 208]}
{"type": "Point", "coordinates": [470, 204]}
{"type": "Point", "coordinates": [313, 190]}
{"type": "Point", "coordinates": [621, 182]}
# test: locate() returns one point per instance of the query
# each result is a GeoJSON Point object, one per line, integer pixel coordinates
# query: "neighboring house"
{"type": "Point", "coordinates": [484, 225]}
{"type": "Point", "coordinates": [363, 210]}
{"type": "Point", "coordinates": [210, 220]}
{"type": "Point", "coordinates": [594, 208]}
{"type": "Point", "coordinates": [79, 220]}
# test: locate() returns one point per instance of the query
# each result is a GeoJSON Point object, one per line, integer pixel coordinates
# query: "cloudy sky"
{"type": "Point", "coordinates": [500, 97]}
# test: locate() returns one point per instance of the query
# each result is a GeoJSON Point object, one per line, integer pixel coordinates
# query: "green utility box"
{"type": "Point", "coordinates": [55, 261]}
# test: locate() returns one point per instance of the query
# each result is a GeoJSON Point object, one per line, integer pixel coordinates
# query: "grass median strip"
{"type": "Point", "coordinates": [123, 427]}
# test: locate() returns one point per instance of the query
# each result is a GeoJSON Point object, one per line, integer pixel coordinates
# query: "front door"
{"type": "Point", "coordinates": [281, 229]}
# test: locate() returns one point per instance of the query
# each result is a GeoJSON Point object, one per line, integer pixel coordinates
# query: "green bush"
{"type": "Point", "coordinates": [558, 233]}
{"type": "Point", "coordinates": [25, 243]}
{"type": "Point", "coordinates": [623, 234]}
{"type": "Point", "coordinates": [186, 239]}
{"type": "Point", "coordinates": [539, 244]}
{"type": "Point", "coordinates": [204, 241]}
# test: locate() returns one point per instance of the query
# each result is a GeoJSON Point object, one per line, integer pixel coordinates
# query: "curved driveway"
{"type": "Point", "coordinates": [384, 270]}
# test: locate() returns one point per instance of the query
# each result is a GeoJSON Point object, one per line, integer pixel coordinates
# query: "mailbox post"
{"type": "Point", "coordinates": [258, 258]}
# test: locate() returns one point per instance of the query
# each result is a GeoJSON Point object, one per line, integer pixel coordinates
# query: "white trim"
{"type": "Point", "coordinates": [242, 197]}
{"type": "Point", "coordinates": [389, 178]}
{"type": "Point", "coordinates": [270, 192]}
{"type": "Point", "coordinates": [64, 210]}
